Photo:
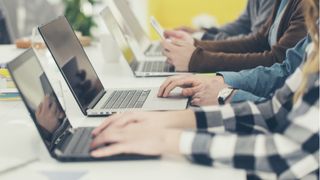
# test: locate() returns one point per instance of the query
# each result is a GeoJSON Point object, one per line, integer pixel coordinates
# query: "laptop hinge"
{"type": "Point", "coordinates": [95, 101]}
{"type": "Point", "coordinates": [63, 135]}
{"type": "Point", "coordinates": [64, 129]}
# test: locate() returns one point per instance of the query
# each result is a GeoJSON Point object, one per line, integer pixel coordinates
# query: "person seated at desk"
{"type": "Point", "coordinates": [249, 22]}
{"type": "Point", "coordinates": [279, 136]}
{"type": "Point", "coordinates": [255, 85]}
{"type": "Point", "coordinates": [282, 31]}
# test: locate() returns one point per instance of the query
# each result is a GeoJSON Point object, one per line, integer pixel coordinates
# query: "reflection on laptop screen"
{"type": "Point", "coordinates": [117, 33]}
{"type": "Point", "coordinates": [39, 97]}
{"type": "Point", "coordinates": [72, 61]}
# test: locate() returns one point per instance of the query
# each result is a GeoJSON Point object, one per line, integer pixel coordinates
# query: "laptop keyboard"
{"type": "Point", "coordinates": [127, 99]}
{"type": "Point", "coordinates": [156, 66]}
{"type": "Point", "coordinates": [158, 48]}
{"type": "Point", "coordinates": [154, 50]}
{"type": "Point", "coordinates": [80, 142]}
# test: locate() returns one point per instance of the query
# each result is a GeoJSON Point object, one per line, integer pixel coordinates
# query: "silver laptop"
{"type": "Point", "coordinates": [85, 85]}
{"type": "Point", "coordinates": [124, 13]}
{"type": "Point", "coordinates": [141, 67]}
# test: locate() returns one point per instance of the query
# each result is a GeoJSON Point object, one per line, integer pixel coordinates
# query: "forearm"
{"type": "Point", "coordinates": [253, 43]}
{"type": "Point", "coordinates": [260, 81]}
{"type": "Point", "coordinates": [185, 119]}
{"type": "Point", "coordinates": [204, 61]}
{"type": "Point", "coordinates": [249, 152]}
{"type": "Point", "coordinates": [231, 118]}
{"type": "Point", "coordinates": [240, 96]}
{"type": "Point", "coordinates": [263, 81]}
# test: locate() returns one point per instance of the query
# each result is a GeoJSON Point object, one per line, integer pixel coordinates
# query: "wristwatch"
{"type": "Point", "coordinates": [224, 94]}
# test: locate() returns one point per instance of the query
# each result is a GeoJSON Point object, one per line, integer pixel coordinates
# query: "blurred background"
{"type": "Point", "coordinates": [19, 17]}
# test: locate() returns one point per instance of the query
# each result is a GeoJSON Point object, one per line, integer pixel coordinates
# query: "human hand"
{"type": "Point", "coordinates": [173, 119]}
{"type": "Point", "coordinates": [203, 89]}
{"type": "Point", "coordinates": [136, 139]}
{"type": "Point", "coordinates": [178, 53]}
{"type": "Point", "coordinates": [179, 36]}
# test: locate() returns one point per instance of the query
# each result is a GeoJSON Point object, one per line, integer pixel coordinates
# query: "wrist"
{"type": "Point", "coordinates": [183, 119]}
{"type": "Point", "coordinates": [220, 78]}
{"type": "Point", "coordinates": [228, 100]}
{"type": "Point", "coordinates": [171, 142]}
{"type": "Point", "coordinates": [225, 95]}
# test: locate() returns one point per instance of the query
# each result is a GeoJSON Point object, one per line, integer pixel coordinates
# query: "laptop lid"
{"type": "Point", "coordinates": [39, 98]}
{"type": "Point", "coordinates": [73, 62]}
{"type": "Point", "coordinates": [127, 16]}
{"type": "Point", "coordinates": [119, 37]}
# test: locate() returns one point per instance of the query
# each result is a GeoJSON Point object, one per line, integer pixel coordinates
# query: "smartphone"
{"type": "Point", "coordinates": [157, 27]}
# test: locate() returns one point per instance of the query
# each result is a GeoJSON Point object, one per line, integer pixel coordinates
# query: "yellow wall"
{"type": "Point", "coordinates": [173, 13]}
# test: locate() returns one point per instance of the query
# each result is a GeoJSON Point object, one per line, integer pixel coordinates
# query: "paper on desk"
{"type": "Point", "coordinates": [9, 90]}
{"type": "Point", "coordinates": [63, 175]}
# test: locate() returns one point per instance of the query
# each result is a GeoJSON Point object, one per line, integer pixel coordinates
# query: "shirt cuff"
{"type": "Point", "coordinates": [240, 96]}
{"type": "Point", "coordinates": [233, 79]}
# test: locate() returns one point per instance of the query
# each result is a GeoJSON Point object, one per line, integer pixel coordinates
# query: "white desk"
{"type": "Point", "coordinates": [24, 140]}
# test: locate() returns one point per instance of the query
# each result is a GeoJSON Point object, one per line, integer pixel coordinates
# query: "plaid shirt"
{"type": "Point", "coordinates": [275, 137]}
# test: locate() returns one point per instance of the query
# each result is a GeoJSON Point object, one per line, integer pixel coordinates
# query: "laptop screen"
{"type": "Point", "coordinates": [117, 34]}
{"type": "Point", "coordinates": [39, 97]}
{"type": "Point", "coordinates": [72, 61]}
{"type": "Point", "coordinates": [132, 22]}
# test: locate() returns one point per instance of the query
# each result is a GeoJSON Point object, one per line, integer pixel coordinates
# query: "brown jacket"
{"type": "Point", "coordinates": [254, 50]}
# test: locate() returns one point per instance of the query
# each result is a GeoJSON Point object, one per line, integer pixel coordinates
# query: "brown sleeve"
{"type": "Point", "coordinates": [243, 45]}
{"type": "Point", "coordinates": [249, 52]}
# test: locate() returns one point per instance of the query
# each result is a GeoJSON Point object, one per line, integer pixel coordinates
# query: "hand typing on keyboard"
{"type": "Point", "coordinates": [203, 90]}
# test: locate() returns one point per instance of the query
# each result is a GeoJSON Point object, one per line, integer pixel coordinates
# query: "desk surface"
{"type": "Point", "coordinates": [24, 140]}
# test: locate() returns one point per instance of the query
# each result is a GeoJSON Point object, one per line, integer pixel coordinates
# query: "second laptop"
{"type": "Point", "coordinates": [85, 85]}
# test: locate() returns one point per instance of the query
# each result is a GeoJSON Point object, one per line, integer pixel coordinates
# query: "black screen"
{"type": "Point", "coordinates": [39, 97]}
{"type": "Point", "coordinates": [72, 61]}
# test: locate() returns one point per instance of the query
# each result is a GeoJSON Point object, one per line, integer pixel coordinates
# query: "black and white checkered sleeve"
{"type": "Point", "coordinates": [248, 117]}
{"type": "Point", "coordinates": [291, 151]}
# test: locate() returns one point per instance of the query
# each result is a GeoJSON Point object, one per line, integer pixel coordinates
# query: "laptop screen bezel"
{"type": "Point", "coordinates": [100, 94]}
{"type": "Point", "coordinates": [12, 66]}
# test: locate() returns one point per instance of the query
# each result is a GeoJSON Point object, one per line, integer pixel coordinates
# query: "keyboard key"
{"type": "Point", "coordinates": [113, 99]}
{"type": "Point", "coordinates": [134, 99]}
{"type": "Point", "coordinates": [127, 99]}
{"type": "Point", "coordinates": [121, 98]}
{"type": "Point", "coordinates": [126, 102]}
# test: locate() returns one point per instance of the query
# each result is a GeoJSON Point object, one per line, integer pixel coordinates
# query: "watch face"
{"type": "Point", "coordinates": [224, 94]}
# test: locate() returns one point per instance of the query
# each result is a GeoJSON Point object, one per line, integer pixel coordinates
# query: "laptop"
{"type": "Point", "coordinates": [63, 142]}
{"type": "Point", "coordinates": [140, 67]}
{"type": "Point", "coordinates": [124, 13]}
{"type": "Point", "coordinates": [85, 85]}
